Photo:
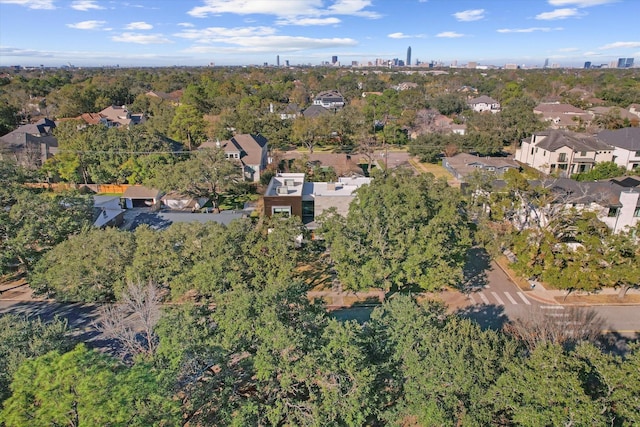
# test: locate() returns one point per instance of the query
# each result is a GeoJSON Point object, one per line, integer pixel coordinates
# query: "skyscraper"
{"type": "Point", "coordinates": [408, 56]}
{"type": "Point", "coordinates": [277, 60]}
{"type": "Point", "coordinates": [334, 59]}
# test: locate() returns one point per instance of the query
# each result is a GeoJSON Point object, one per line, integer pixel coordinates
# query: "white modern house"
{"type": "Point", "coordinates": [626, 146]}
{"type": "Point", "coordinates": [562, 152]}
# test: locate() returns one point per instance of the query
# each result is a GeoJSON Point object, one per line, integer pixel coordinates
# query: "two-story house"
{"type": "Point", "coordinates": [329, 99]}
{"type": "Point", "coordinates": [251, 151]}
{"type": "Point", "coordinates": [288, 194]}
{"type": "Point", "coordinates": [119, 116]}
{"type": "Point", "coordinates": [626, 146]}
{"type": "Point", "coordinates": [562, 152]}
{"type": "Point", "coordinates": [484, 103]}
{"type": "Point", "coordinates": [464, 164]}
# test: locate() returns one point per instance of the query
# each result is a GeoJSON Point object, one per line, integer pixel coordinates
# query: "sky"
{"type": "Point", "coordinates": [254, 32]}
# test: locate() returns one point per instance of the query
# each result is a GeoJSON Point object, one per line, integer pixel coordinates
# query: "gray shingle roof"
{"type": "Point", "coordinates": [555, 139]}
{"type": "Point", "coordinates": [626, 138]}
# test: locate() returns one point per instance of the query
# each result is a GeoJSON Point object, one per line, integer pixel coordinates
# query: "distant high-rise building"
{"type": "Point", "coordinates": [625, 62]}
{"type": "Point", "coordinates": [409, 56]}
{"type": "Point", "coordinates": [587, 64]}
{"type": "Point", "coordinates": [286, 62]}
{"type": "Point", "coordinates": [334, 59]}
{"type": "Point", "coordinates": [546, 63]}
{"type": "Point", "coordinates": [277, 60]}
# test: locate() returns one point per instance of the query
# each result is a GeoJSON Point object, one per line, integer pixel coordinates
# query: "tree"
{"type": "Point", "coordinates": [545, 389]}
{"type": "Point", "coordinates": [22, 338]}
{"type": "Point", "coordinates": [33, 222]}
{"type": "Point", "coordinates": [87, 267]}
{"type": "Point", "coordinates": [206, 173]}
{"type": "Point", "coordinates": [401, 232]}
{"type": "Point", "coordinates": [84, 387]}
{"type": "Point", "coordinates": [311, 131]}
{"type": "Point", "coordinates": [188, 125]}
{"type": "Point", "coordinates": [600, 171]}
{"type": "Point", "coordinates": [133, 319]}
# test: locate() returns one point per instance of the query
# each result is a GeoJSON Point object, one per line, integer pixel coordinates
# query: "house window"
{"type": "Point", "coordinates": [613, 212]}
{"type": "Point", "coordinates": [637, 154]}
{"type": "Point", "coordinates": [635, 166]}
{"type": "Point", "coordinates": [583, 154]}
{"type": "Point", "coordinates": [562, 157]}
{"type": "Point", "coordinates": [532, 151]}
{"type": "Point", "coordinates": [281, 211]}
{"type": "Point", "coordinates": [636, 213]}
{"type": "Point", "coordinates": [308, 209]}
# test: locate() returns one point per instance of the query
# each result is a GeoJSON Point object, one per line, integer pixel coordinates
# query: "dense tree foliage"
{"type": "Point", "coordinates": [401, 232]}
{"type": "Point", "coordinates": [22, 339]}
{"type": "Point", "coordinates": [33, 221]}
{"type": "Point", "coordinates": [84, 387]}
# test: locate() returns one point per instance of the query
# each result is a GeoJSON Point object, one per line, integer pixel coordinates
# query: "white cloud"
{"type": "Point", "coordinates": [221, 34]}
{"type": "Point", "coordinates": [140, 25]}
{"type": "Point", "coordinates": [405, 36]}
{"type": "Point", "coordinates": [85, 5]}
{"type": "Point", "coordinates": [271, 44]}
{"type": "Point", "coordinates": [620, 45]}
{"type": "Point", "coordinates": [141, 38]}
{"type": "Point", "coordinates": [32, 4]}
{"type": "Point", "coordinates": [88, 25]}
{"type": "Point", "coordinates": [469, 15]}
{"type": "Point", "coordinates": [449, 34]}
{"type": "Point", "coordinates": [558, 14]}
{"type": "Point", "coordinates": [186, 24]}
{"type": "Point", "coordinates": [580, 3]}
{"type": "Point", "coordinates": [293, 9]}
{"type": "Point", "coordinates": [309, 21]}
{"type": "Point", "coordinates": [568, 49]}
{"type": "Point", "coordinates": [529, 30]}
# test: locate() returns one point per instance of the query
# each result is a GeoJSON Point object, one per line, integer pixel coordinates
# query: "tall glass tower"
{"type": "Point", "coordinates": [408, 56]}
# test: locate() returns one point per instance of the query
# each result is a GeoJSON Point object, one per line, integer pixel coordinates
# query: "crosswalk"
{"type": "Point", "coordinates": [488, 297]}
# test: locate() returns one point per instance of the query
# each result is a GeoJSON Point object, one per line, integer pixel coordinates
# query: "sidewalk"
{"type": "Point", "coordinates": [606, 296]}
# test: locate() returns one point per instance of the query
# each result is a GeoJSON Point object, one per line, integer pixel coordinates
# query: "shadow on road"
{"type": "Point", "coordinates": [487, 316]}
{"type": "Point", "coordinates": [475, 271]}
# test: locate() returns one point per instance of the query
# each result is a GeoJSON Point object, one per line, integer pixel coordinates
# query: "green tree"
{"type": "Point", "coordinates": [84, 387]}
{"type": "Point", "coordinates": [206, 173]}
{"type": "Point", "coordinates": [545, 390]}
{"type": "Point", "coordinates": [188, 125]}
{"type": "Point", "coordinates": [600, 171]}
{"type": "Point", "coordinates": [401, 232]}
{"type": "Point", "coordinates": [87, 267]}
{"type": "Point", "coordinates": [22, 338]}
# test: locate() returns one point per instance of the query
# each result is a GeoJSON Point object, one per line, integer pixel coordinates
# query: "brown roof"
{"type": "Point", "coordinates": [558, 109]}
{"type": "Point", "coordinates": [141, 192]}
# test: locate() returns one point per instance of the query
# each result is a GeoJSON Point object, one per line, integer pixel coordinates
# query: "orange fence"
{"type": "Point", "coordinates": [96, 188]}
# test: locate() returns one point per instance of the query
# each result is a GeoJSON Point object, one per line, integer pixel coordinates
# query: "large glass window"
{"type": "Point", "coordinates": [281, 210]}
{"type": "Point", "coordinates": [613, 212]}
{"type": "Point", "coordinates": [308, 209]}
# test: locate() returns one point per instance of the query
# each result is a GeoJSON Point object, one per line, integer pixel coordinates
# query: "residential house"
{"type": "Point", "coordinates": [563, 152]}
{"type": "Point", "coordinates": [176, 201]}
{"type": "Point", "coordinates": [173, 98]}
{"type": "Point", "coordinates": [289, 112]}
{"type": "Point", "coordinates": [138, 196]}
{"type": "Point", "coordinates": [329, 99]}
{"type": "Point", "coordinates": [614, 112]}
{"type": "Point", "coordinates": [562, 115]}
{"type": "Point", "coordinates": [288, 194]}
{"type": "Point", "coordinates": [251, 151]}
{"type": "Point", "coordinates": [405, 86]}
{"type": "Point", "coordinates": [462, 165]}
{"type": "Point", "coordinates": [315, 111]}
{"type": "Point", "coordinates": [634, 109]}
{"type": "Point", "coordinates": [108, 211]}
{"type": "Point", "coordinates": [484, 103]}
{"type": "Point", "coordinates": [615, 204]}
{"type": "Point", "coordinates": [626, 146]}
{"type": "Point", "coordinates": [30, 145]}
{"type": "Point", "coordinates": [119, 116]}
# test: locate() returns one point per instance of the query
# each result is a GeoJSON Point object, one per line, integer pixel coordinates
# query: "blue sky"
{"type": "Point", "coordinates": [245, 32]}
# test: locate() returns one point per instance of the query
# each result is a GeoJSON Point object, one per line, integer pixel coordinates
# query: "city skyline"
{"type": "Point", "coordinates": [255, 32]}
